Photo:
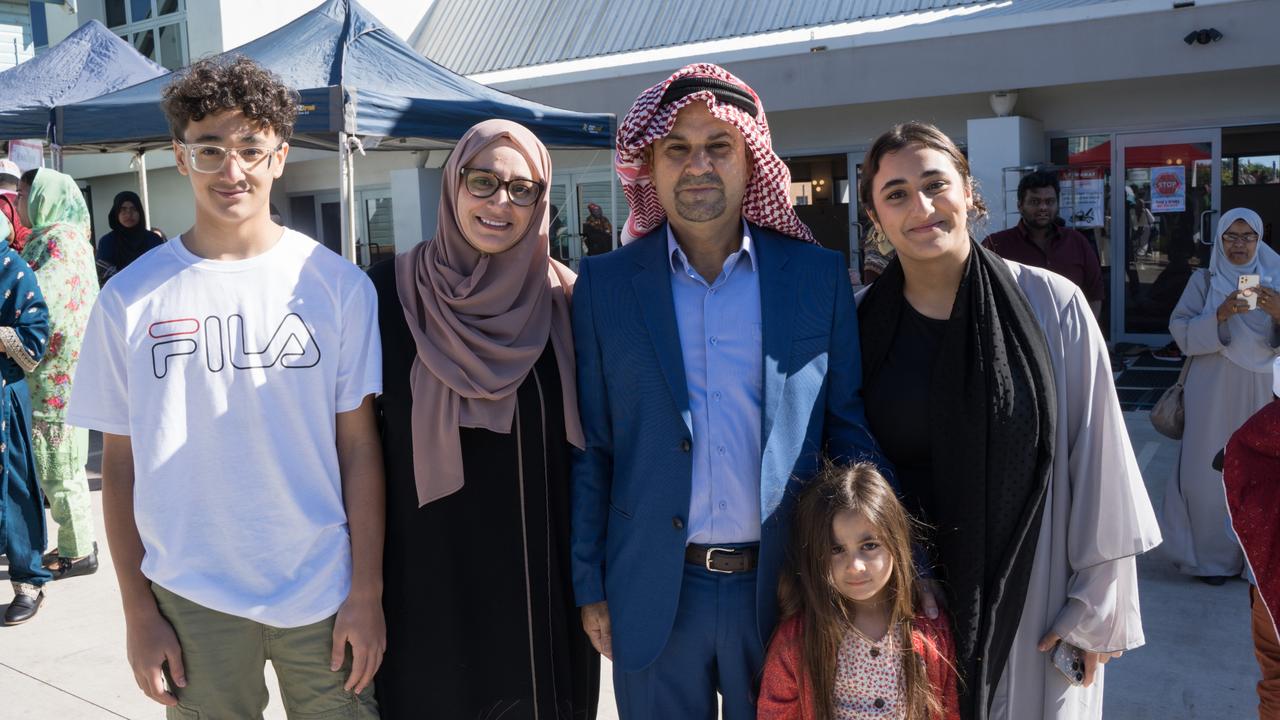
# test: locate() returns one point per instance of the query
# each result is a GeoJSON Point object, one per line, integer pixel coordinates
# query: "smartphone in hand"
{"type": "Point", "coordinates": [1069, 660]}
{"type": "Point", "coordinates": [1246, 286]}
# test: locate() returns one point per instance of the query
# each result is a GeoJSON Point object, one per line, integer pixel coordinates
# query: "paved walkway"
{"type": "Point", "coordinates": [69, 663]}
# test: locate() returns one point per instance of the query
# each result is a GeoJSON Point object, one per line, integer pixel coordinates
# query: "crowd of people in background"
{"type": "Point", "coordinates": [461, 478]}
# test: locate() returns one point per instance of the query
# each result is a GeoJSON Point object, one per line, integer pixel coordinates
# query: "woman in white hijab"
{"type": "Point", "coordinates": [1231, 338]}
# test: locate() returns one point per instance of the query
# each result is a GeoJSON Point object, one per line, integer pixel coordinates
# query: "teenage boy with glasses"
{"type": "Point", "coordinates": [232, 374]}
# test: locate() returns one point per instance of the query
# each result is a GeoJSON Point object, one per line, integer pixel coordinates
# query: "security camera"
{"type": "Point", "coordinates": [1202, 37]}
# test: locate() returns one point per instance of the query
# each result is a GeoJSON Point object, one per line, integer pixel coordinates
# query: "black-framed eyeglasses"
{"type": "Point", "coordinates": [483, 184]}
{"type": "Point", "coordinates": [210, 159]}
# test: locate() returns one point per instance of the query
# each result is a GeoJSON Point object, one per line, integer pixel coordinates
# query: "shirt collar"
{"type": "Point", "coordinates": [1055, 230]}
{"type": "Point", "coordinates": [677, 258]}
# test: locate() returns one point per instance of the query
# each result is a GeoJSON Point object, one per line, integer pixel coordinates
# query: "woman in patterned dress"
{"type": "Point", "coordinates": [59, 251]}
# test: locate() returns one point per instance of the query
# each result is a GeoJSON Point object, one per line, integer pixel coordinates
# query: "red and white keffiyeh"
{"type": "Point", "coordinates": [767, 201]}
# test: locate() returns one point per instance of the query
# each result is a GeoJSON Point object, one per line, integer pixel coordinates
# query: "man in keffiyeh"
{"type": "Point", "coordinates": [717, 357]}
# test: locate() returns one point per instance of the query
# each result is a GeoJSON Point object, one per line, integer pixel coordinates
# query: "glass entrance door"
{"type": "Point", "coordinates": [584, 217]}
{"type": "Point", "coordinates": [1165, 194]}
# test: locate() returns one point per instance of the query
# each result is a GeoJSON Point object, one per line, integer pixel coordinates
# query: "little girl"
{"type": "Point", "coordinates": [850, 645]}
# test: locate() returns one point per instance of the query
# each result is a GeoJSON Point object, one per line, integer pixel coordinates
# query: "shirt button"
{"type": "Point", "coordinates": [685, 445]}
{"type": "Point", "coordinates": [716, 395]}
{"type": "Point", "coordinates": [875, 652]}
{"type": "Point", "coordinates": [723, 505]}
{"type": "Point", "coordinates": [879, 703]}
{"type": "Point", "coordinates": [720, 449]}
{"type": "Point", "coordinates": [677, 523]}
{"type": "Point", "coordinates": [714, 339]}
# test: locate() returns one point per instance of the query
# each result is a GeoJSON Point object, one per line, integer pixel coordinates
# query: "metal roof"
{"type": "Point", "coordinates": [474, 36]}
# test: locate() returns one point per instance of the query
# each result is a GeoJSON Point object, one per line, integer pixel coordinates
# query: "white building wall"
{"type": "Point", "coordinates": [58, 21]}
{"type": "Point", "coordinates": [372, 170]}
{"type": "Point", "coordinates": [170, 206]}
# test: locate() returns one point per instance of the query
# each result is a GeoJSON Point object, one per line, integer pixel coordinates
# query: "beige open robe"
{"type": "Point", "coordinates": [1097, 519]}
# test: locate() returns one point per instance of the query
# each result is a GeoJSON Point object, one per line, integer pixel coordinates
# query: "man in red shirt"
{"type": "Point", "coordinates": [9, 175]}
{"type": "Point", "coordinates": [1038, 240]}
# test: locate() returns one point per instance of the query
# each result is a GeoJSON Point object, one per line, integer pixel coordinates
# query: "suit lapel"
{"type": "Point", "coordinates": [777, 301]}
{"type": "Point", "coordinates": [653, 294]}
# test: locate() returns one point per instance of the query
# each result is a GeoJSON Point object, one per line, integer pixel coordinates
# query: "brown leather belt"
{"type": "Point", "coordinates": [723, 559]}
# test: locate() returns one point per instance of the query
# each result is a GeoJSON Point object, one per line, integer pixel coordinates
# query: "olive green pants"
{"type": "Point", "coordinates": [61, 453]}
{"type": "Point", "coordinates": [224, 657]}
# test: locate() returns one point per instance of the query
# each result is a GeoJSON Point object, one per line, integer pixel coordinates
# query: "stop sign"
{"type": "Point", "coordinates": [1168, 184]}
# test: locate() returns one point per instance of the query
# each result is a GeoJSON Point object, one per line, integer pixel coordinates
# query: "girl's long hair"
{"type": "Point", "coordinates": [808, 589]}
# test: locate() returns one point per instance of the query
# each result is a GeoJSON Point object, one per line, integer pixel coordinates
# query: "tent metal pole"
{"type": "Point", "coordinates": [141, 168]}
{"type": "Point", "coordinates": [356, 253]}
{"type": "Point", "coordinates": [344, 199]}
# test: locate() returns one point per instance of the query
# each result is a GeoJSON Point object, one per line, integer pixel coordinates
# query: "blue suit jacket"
{"type": "Point", "coordinates": [631, 485]}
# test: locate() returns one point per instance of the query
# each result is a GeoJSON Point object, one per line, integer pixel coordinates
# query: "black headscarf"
{"type": "Point", "coordinates": [123, 245]}
{"type": "Point", "coordinates": [991, 429]}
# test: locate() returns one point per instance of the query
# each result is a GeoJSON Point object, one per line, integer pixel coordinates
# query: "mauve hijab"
{"type": "Point", "coordinates": [481, 321]}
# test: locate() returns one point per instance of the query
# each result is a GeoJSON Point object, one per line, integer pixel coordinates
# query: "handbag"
{"type": "Point", "coordinates": [1168, 415]}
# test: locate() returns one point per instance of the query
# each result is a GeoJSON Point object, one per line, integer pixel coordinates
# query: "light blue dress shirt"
{"type": "Point", "coordinates": [721, 340]}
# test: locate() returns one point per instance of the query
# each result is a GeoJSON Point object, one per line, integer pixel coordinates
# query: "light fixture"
{"type": "Point", "coordinates": [1202, 37]}
{"type": "Point", "coordinates": [1002, 102]}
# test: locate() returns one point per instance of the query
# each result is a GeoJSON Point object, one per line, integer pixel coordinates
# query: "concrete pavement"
{"type": "Point", "coordinates": [69, 663]}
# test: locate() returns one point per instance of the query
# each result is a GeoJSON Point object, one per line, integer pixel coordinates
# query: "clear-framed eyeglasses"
{"type": "Point", "coordinates": [211, 158]}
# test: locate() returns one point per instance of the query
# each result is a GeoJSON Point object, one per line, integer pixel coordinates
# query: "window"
{"type": "Point", "coordinates": [155, 28]}
{"type": "Point", "coordinates": [1258, 170]}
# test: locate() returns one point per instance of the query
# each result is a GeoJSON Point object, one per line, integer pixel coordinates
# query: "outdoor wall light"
{"type": "Point", "coordinates": [1202, 37]}
{"type": "Point", "coordinates": [1002, 102]}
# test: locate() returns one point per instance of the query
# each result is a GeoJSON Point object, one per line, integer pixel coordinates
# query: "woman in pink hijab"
{"type": "Point", "coordinates": [478, 414]}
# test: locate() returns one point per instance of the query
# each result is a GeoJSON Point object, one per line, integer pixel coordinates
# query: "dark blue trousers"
{"type": "Point", "coordinates": [714, 647]}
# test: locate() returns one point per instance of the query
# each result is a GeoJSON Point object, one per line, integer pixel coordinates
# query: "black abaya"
{"type": "Point", "coordinates": [481, 621]}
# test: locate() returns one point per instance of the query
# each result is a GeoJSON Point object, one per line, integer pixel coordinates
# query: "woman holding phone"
{"type": "Point", "coordinates": [1231, 336]}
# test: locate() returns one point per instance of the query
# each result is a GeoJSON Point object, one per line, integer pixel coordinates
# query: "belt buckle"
{"type": "Point", "coordinates": [710, 551]}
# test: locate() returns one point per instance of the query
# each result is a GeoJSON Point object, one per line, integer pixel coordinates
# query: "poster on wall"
{"type": "Point", "coordinates": [1081, 197]}
{"type": "Point", "coordinates": [28, 154]}
{"type": "Point", "coordinates": [1169, 189]}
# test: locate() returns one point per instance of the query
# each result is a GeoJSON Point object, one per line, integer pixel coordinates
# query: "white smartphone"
{"type": "Point", "coordinates": [1247, 283]}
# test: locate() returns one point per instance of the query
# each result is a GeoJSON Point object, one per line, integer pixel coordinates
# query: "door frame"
{"type": "Point", "coordinates": [1120, 218]}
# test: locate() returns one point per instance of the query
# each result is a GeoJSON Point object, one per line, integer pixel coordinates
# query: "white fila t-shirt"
{"type": "Point", "coordinates": [227, 377]}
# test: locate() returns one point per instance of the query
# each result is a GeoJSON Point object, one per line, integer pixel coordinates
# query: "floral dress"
{"type": "Point", "coordinates": [59, 251]}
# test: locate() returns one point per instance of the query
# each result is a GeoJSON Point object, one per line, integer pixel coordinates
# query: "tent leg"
{"type": "Point", "coordinates": [141, 168]}
{"type": "Point", "coordinates": [359, 256]}
{"type": "Point", "coordinates": [346, 195]}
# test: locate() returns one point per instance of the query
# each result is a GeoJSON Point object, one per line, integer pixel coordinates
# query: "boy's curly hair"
{"type": "Point", "coordinates": [212, 85]}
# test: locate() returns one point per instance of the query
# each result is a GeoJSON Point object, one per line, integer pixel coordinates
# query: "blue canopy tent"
{"type": "Point", "coordinates": [362, 88]}
{"type": "Point", "coordinates": [87, 63]}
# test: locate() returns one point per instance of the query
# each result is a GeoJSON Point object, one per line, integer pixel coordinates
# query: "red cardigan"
{"type": "Point", "coordinates": [782, 698]}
